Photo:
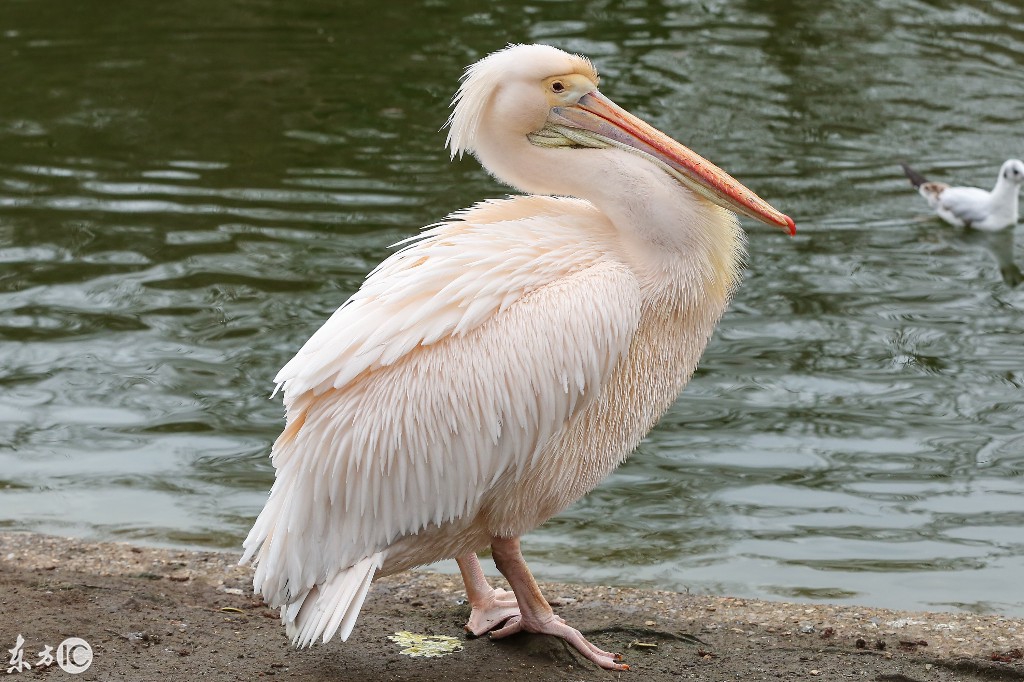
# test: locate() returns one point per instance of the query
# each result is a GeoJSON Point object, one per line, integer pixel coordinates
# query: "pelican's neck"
{"type": "Point", "coordinates": [671, 237]}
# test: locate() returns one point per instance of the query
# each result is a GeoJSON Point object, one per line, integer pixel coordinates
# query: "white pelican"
{"type": "Point", "coordinates": [971, 206]}
{"type": "Point", "coordinates": [503, 362]}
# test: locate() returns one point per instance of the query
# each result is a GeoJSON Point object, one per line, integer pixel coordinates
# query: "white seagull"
{"type": "Point", "coordinates": [971, 206]}
{"type": "Point", "coordinates": [503, 362]}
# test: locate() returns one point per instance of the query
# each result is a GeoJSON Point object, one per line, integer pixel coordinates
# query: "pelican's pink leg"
{"type": "Point", "coordinates": [535, 612]}
{"type": "Point", "coordinates": [491, 606]}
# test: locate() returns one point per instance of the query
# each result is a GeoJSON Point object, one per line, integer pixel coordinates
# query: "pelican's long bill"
{"type": "Point", "coordinates": [611, 123]}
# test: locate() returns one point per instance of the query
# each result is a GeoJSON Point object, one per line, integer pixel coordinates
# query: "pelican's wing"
{"type": "Point", "coordinates": [970, 205]}
{"type": "Point", "coordinates": [448, 279]}
{"type": "Point", "coordinates": [452, 366]}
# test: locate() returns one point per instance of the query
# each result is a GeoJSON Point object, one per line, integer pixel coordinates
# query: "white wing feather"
{"type": "Point", "coordinates": [476, 266]}
{"type": "Point", "coordinates": [967, 204]}
{"type": "Point", "coordinates": [453, 365]}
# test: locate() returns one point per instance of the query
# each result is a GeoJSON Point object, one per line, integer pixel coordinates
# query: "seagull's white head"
{"type": "Point", "coordinates": [548, 98]}
{"type": "Point", "coordinates": [1012, 171]}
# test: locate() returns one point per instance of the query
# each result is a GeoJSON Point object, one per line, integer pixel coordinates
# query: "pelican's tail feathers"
{"type": "Point", "coordinates": [916, 179]}
{"type": "Point", "coordinates": [332, 606]}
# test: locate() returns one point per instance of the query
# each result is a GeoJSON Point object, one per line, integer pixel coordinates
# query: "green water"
{"type": "Point", "coordinates": [187, 190]}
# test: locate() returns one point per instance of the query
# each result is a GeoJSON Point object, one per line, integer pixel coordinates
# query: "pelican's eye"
{"type": "Point", "coordinates": [558, 87]}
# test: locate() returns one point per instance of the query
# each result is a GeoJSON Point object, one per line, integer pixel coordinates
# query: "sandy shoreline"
{"type": "Point", "coordinates": [153, 613]}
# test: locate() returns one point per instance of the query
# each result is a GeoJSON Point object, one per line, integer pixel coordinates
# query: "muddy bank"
{"type": "Point", "coordinates": [156, 614]}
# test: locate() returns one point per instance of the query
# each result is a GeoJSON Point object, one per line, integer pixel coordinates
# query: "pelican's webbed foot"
{"type": "Point", "coordinates": [535, 614]}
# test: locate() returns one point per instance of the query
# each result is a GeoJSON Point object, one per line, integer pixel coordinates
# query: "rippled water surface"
{"type": "Point", "coordinates": [187, 191]}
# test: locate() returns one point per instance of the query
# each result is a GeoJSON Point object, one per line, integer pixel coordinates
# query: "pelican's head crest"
{"type": "Point", "coordinates": [482, 79]}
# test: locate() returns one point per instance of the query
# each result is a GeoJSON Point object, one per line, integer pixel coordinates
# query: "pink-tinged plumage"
{"type": "Point", "coordinates": [499, 365]}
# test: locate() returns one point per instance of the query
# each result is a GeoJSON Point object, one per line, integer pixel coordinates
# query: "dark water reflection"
{"type": "Point", "coordinates": [187, 191]}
